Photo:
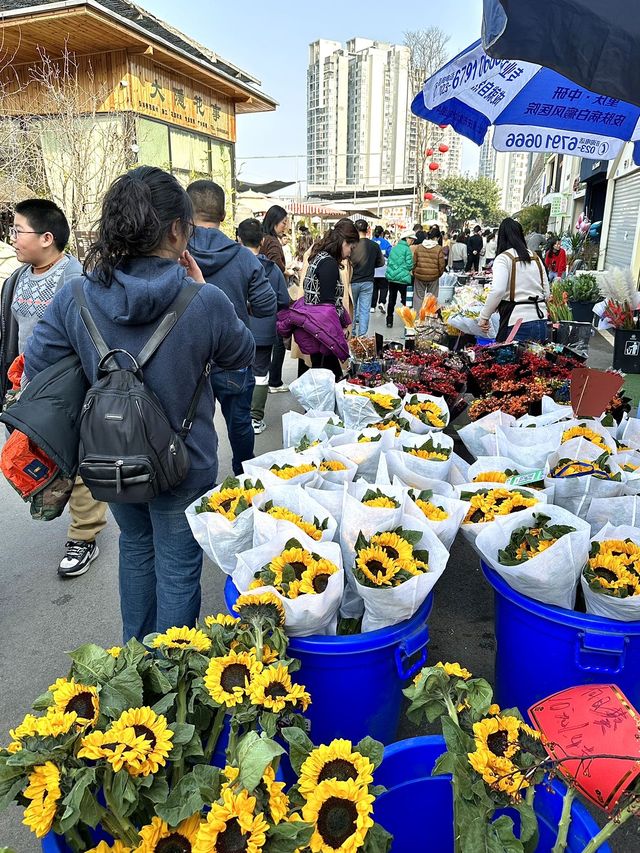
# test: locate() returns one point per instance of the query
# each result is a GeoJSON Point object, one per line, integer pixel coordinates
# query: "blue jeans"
{"type": "Point", "coordinates": [160, 564]}
{"type": "Point", "coordinates": [233, 389]}
{"type": "Point", "coordinates": [362, 293]}
{"type": "Point", "coordinates": [534, 330]}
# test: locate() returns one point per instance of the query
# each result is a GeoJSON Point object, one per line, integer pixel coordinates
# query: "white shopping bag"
{"type": "Point", "coordinates": [315, 389]}
{"type": "Point", "coordinates": [332, 500]}
{"type": "Point", "coordinates": [472, 434]}
{"type": "Point", "coordinates": [259, 467]}
{"type": "Point", "coordinates": [459, 471]}
{"type": "Point", "coordinates": [527, 447]}
{"type": "Point", "coordinates": [447, 529]}
{"type": "Point", "coordinates": [219, 538]}
{"type": "Point", "coordinates": [416, 424]}
{"type": "Point", "coordinates": [432, 469]}
{"type": "Point", "coordinates": [295, 427]}
{"type": "Point", "coordinates": [470, 530]}
{"type": "Point", "coordinates": [576, 493]}
{"type": "Point", "coordinates": [296, 499]}
{"type": "Point", "coordinates": [550, 577]}
{"type": "Point", "coordinates": [386, 607]}
{"type": "Point", "coordinates": [600, 604]}
{"type": "Point", "coordinates": [356, 409]}
{"type": "Point", "coordinates": [307, 614]}
{"type": "Point", "coordinates": [398, 473]}
{"type": "Point", "coordinates": [327, 479]}
{"type": "Point", "coordinates": [630, 433]}
{"type": "Point", "coordinates": [624, 510]}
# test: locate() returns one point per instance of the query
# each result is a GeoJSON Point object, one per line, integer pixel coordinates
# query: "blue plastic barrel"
{"type": "Point", "coordinates": [417, 808]}
{"type": "Point", "coordinates": [356, 681]}
{"type": "Point", "coordinates": [485, 342]}
{"type": "Point", "coordinates": [541, 649]}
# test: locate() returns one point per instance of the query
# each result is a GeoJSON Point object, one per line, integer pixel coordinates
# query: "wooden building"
{"type": "Point", "coordinates": [173, 99]}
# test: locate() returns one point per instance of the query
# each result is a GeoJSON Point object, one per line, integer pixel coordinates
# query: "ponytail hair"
{"type": "Point", "coordinates": [137, 212]}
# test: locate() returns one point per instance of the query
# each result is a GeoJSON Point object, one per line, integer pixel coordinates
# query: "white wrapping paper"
{"type": "Point", "coordinates": [296, 426]}
{"type": "Point", "coordinates": [358, 411]}
{"type": "Point", "coordinates": [258, 468]}
{"type": "Point", "coordinates": [445, 530]}
{"type": "Point", "coordinates": [472, 434]}
{"type": "Point", "coordinates": [470, 531]}
{"type": "Point", "coordinates": [315, 389]}
{"type": "Point", "coordinates": [623, 510]}
{"type": "Point", "coordinates": [219, 538]}
{"type": "Point", "coordinates": [527, 447]}
{"type": "Point", "coordinates": [428, 468]}
{"type": "Point", "coordinates": [296, 499]}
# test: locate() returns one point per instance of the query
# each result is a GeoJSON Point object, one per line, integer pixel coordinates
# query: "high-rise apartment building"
{"type": "Point", "coordinates": [509, 170]}
{"type": "Point", "coordinates": [360, 130]}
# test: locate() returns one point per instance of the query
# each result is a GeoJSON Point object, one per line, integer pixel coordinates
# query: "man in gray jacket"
{"type": "Point", "coordinates": [39, 235]}
{"type": "Point", "coordinates": [236, 271]}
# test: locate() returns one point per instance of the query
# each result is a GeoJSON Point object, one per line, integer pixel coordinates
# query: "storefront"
{"type": "Point", "coordinates": [153, 97]}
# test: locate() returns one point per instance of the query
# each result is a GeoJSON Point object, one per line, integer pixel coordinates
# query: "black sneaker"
{"type": "Point", "coordinates": [77, 559]}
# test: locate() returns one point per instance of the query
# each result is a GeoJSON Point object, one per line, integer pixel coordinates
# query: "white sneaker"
{"type": "Point", "coordinates": [372, 311]}
{"type": "Point", "coordinates": [258, 427]}
{"type": "Point", "coordinates": [281, 389]}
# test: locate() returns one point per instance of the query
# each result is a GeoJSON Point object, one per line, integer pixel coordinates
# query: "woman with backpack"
{"type": "Point", "coordinates": [133, 274]}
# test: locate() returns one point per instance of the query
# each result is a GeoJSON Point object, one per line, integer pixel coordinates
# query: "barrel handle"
{"type": "Point", "coordinates": [415, 643]}
{"type": "Point", "coordinates": [593, 643]}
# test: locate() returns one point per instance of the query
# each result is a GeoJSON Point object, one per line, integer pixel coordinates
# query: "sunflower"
{"type": "Point", "coordinates": [500, 774]}
{"type": "Point", "coordinates": [288, 472]}
{"type": "Point", "coordinates": [232, 826]}
{"type": "Point", "coordinates": [114, 651]}
{"type": "Point", "coordinates": [490, 477]}
{"type": "Point", "coordinates": [495, 502]}
{"type": "Point", "coordinates": [585, 432]}
{"type": "Point", "coordinates": [116, 847]}
{"type": "Point", "coordinates": [298, 559]}
{"type": "Point", "coordinates": [222, 619]}
{"type": "Point", "coordinates": [337, 761]}
{"type": "Point", "coordinates": [139, 740]}
{"type": "Point", "coordinates": [332, 465]}
{"type": "Point", "coordinates": [341, 816]}
{"type": "Point", "coordinates": [159, 837]}
{"type": "Point", "coordinates": [433, 455]}
{"type": "Point", "coordinates": [182, 638]}
{"type": "Point", "coordinates": [54, 723]}
{"type": "Point", "coordinates": [228, 678]}
{"type": "Point", "coordinates": [382, 402]}
{"type": "Point", "coordinates": [68, 696]}
{"type": "Point", "coordinates": [278, 800]}
{"type": "Point", "coordinates": [44, 792]}
{"type": "Point", "coordinates": [432, 511]}
{"type": "Point", "coordinates": [382, 501]}
{"type": "Point", "coordinates": [427, 412]}
{"type": "Point", "coordinates": [284, 514]}
{"type": "Point", "coordinates": [263, 605]}
{"type": "Point", "coordinates": [376, 566]}
{"type": "Point", "coordinates": [394, 546]}
{"type": "Point", "coordinates": [454, 670]}
{"type": "Point", "coordinates": [231, 502]}
{"type": "Point", "coordinates": [273, 690]}
{"type": "Point", "coordinates": [316, 578]}
{"type": "Point", "coordinates": [498, 735]}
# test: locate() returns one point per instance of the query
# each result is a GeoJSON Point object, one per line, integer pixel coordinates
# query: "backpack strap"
{"type": "Point", "coordinates": [512, 282]}
{"type": "Point", "coordinates": [88, 321]}
{"type": "Point", "coordinates": [176, 310]}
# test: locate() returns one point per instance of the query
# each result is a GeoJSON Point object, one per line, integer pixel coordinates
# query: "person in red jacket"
{"type": "Point", "coordinates": [556, 261]}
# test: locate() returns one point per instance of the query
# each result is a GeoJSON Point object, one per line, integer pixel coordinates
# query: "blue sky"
{"type": "Point", "coordinates": [271, 42]}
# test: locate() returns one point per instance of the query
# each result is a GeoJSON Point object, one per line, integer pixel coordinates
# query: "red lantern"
{"type": "Point", "coordinates": [429, 152]}
{"type": "Point", "coordinates": [443, 126]}
{"type": "Point", "coordinates": [433, 167]}
{"type": "Point", "coordinates": [429, 196]}
{"type": "Point", "coordinates": [443, 148]}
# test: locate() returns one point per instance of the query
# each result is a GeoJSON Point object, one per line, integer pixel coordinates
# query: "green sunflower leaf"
{"type": "Point", "coordinates": [162, 680]}
{"type": "Point", "coordinates": [182, 733]}
{"type": "Point", "coordinates": [378, 840]}
{"type": "Point", "coordinates": [300, 747]}
{"type": "Point", "coordinates": [457, 741]}
{"type": "Point", "coordinates": [288, 837]}
{"type": "Point", "coordinates": [504, 835]}
{"type": "Point", "coordinates": [124, 793]}
{"type": "Point", "coordinates": [479, 694]}
{"type": "Point", "coordinates": [371, 749]}
{"type": "Point", "coordinates": [529, 832]}
{"type": "Point", "coordinates": [12, 780]}
{"type": "Point", "coordinates": [255, 753]}
{"type": "Point", "coordinates": [269, 723]}
{"type": "Point", "coordinates": [82, 780]}
{"type": "Point", "coordinates": [193, 791]}
{"type": "Point", "coordinates": [91, 664]}
{"type": "Point", "coordinates": [123, 691]}
{"type": "Point", "coordinates": [43, 701]}
{"type": "Point", "coordinates": [133, 653]}
{"type": "Point", "coordinates": [155, 788]}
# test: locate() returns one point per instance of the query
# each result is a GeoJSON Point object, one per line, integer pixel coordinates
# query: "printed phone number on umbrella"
{"type": "Point", "coordinates": [558, 140]}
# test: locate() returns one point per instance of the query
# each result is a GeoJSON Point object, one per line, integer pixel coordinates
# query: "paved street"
{"type": "Point", "coordinates": [42, 616]}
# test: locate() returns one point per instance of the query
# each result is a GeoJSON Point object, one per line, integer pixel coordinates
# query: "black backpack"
{"type": "Point", "coordinates": [129, 452]}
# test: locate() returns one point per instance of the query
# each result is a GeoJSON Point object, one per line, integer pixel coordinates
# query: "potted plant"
{"type": "Point", "coordinates": [583, 293]}
{"type": "Point", "coordinates": [621, 312]}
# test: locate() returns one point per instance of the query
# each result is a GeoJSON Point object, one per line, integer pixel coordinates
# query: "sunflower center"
{"type": "Point", "coordinates": [275, 690]}
{"type": "Point", "coordinates": [498, 742]}
{"type": "Point", "coordinates": [337, 821]}
{"type": "Point", "coordinates": [606, 575]}
{"type": "Point", "coordinates": [320, 583]}
{"type": "Point", "coordinates": [299, 569]}
{"type": "Point", "coordinates": [234, 675]}
{"type": "Point", "coordinates": [180, 642]}
{"type": "Point", "coordinates": [174, 843]}
{"type": "Point", "coordinates": [338, 768]}
{"type": "Point", "coordinates": [146, 733]}
{"type": "Point", "coordinates": [391, 552]}
{"type": "Point", "coordinates": [232, 840]}
{"type": "Point", "coordinates": [226, 504]}
{"type": "Point", "coordinates": [375, 566]}
{"type": "Point", "coordinates": [82, 704]}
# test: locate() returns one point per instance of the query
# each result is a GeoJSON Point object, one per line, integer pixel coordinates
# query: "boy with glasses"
{"type": "Point", "coordinates": [39, 235]}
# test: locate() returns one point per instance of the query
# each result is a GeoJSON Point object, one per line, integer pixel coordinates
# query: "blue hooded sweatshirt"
{"type": "Point", "coordinates": [264, 328]}
{"type": "Point", "coordinates": [126, 314]}
{"type": "Point", "coordinates": [236, 271]}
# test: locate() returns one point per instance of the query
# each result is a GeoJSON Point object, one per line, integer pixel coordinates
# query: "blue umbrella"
{"type": "Point", "coordinates": [532, 108]}
{"type": "Point", "coordinates": [594, 43]}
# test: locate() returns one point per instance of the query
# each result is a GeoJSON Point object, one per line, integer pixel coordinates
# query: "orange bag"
{"type": "Point", "coordinates": [25, 466]}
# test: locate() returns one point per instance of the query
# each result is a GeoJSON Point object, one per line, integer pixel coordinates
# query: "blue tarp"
{"type": "Point", "coordinates": [594, 43]}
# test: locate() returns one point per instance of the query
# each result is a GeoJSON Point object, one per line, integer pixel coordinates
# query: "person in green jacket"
{"type": "Point", "coordinates": [399, 272]}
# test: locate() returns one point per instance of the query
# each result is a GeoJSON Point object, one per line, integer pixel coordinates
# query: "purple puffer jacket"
{"type": "Point", "coordinates": [316, 328]}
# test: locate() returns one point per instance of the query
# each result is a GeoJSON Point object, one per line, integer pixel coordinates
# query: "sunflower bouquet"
{"type": "Point", "coordinates": [305, 576]}
{"type": "Point", "coordinates": [580, 472]}
{"type": "Point", "coordinates": [222, 520]}
{"type": "Point", "coordinates": [488, 504]}
{"type": "Point", "coordinates": [425, 412]}
{"type": "Point", "coordinates": [396, 424]}
{"type": "Point", "coordinates": [377, 499]}
{"type": "Point", "coordinates": [600, 440]}
{"type": "Point", "coordinates": [443, 515]}
{"type": "Point", "coordinates": [286, 466]}
{"type": "Point", "coordinates": [291, 509]}
{"type": "Point", "coordinates": [363, 449]}
{"type": "Point", "coordinates": [125, 741]}
{"type": "Point", "coordinates": [359, 406]}
{"type": "Point", "coordinates": [611, 575]}
{"type": "Point", "coordinates": [629, 464]}
{"type": "Point", "coordinates": [335, 469]}
{"type": "Point", "coordinates": [395, 570]}
{"type": "Point", "coordinates": [539, 552]}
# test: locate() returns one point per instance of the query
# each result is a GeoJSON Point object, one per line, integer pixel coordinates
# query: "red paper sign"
{"type": "Point", "coordinates": [593, 390]}
{"type": "Point", "coordinates": [588, 721]}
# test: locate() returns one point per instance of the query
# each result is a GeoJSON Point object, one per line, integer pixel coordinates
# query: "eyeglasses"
{"type": "Point", "coordinates": [16, 232]}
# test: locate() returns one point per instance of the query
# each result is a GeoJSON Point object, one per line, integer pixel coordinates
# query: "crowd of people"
{"type": "Point", "coordinates": [260, 295]}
